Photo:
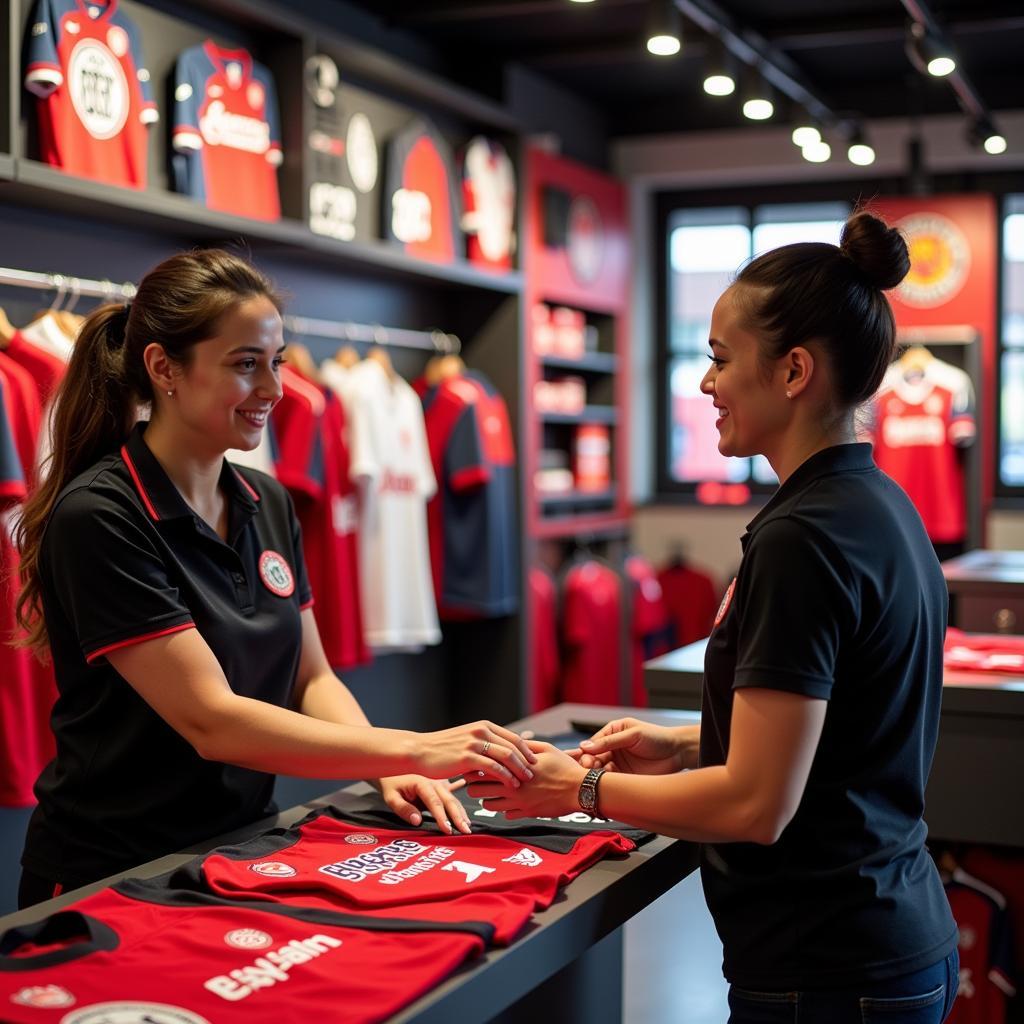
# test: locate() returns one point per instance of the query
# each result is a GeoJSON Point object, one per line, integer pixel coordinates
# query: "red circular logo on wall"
{"type": "Point", "coordinates": [276, 574]}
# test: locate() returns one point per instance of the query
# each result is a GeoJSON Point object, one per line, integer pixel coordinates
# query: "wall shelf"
{"type": "Point", "coordinates": [591, 362]}
{"type": "Point", "coordinates": [577, 499]}
{"type": "Point", "coordinates": [591, 414]}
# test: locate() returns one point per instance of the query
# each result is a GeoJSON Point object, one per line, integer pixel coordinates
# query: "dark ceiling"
{"type": "Point", "coordinates": [850, 54]}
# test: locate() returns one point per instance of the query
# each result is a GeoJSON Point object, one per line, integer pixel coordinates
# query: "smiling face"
{"type": "Point", "coordinates": [753, 410]}
{"type": "Point", "coordinates": [224, 396]}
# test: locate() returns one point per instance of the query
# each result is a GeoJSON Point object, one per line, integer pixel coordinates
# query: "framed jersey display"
{"type": "Point", "coordinates": [489, 198]}
{"type": "Point", "coordinates": [227, 136]}
{"type": "Point", "coordinates": [95, 99]}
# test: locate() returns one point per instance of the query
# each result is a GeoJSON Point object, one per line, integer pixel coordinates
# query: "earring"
{"type": "Point", "coordinates": [170, 393]}
{"type": "Point", "coordinates": [789, 394]}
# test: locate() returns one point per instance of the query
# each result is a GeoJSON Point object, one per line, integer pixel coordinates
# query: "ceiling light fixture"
{"type": "Point", "coordinates": [928, 52]}
{"type": "Point", "coordinates": [859, 151]}
{"type": "Point", "coordinates": [757, 96]}
{"type": "Point", "coordinates": [805, 131]}
{"type": "Point", "coordinates": [720, 70]}
{"type": "Point", "coordinates": [984, 133]}
{"type": "Point", "coordinates": [664, 29]}
{"type": "Point", "coordinates": [817, 152]}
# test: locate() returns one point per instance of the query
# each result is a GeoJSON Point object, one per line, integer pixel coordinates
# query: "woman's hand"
{"type": "Point", "coordinates": [629, 745]}
{"type": "Point", "coordinates": [553, 791]}
{"type": "Point", "coordinates": [406, 795]}
{"type": "Point", "coordinates": [478, 750]}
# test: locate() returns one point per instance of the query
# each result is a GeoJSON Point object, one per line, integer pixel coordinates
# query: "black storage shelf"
{"type": "Point", "coordinates": [578, 499]}
{"type": "Point", "coordinates": [590, 362]}
{"type": "Point", "coordinates": [591, 414]}
{"type": "Point", "coordinates": [37, 184]}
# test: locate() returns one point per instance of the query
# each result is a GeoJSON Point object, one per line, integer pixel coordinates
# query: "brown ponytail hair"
{"type": "Point", "coordinates": [179, 303]}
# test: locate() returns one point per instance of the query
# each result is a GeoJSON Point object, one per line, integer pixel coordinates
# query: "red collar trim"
{"type": "Point", "coordinates": [134, 473]}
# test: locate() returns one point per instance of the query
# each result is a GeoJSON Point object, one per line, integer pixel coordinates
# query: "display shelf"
{"type": "Point", "coordinates": [49, 188]}
{"type": "Point", "coordinates": [591, 362]}
{"type": "Point", "coordinates": [581, 298]}
{"type": "Point", "coordinates": [594, 526]}
{"type": "Point", "coordinates": [574, 499]}
{"type": "Point", "coordinates": [591, 414]}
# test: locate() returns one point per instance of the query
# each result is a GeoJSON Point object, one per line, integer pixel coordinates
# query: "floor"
{"type": "Point", "coordinates": [673, 956]}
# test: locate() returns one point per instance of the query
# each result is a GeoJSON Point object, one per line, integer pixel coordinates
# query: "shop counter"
{"type": "Point", "coordinates": [986, 590]}
{"type": "Point", "coordinates": [566, 966]}
{"type": "Point", "coordinates": [976, 787]}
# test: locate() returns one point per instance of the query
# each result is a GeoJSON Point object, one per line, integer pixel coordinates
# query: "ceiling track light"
{"type": "Point", "coordinates": [928, 52]}
{"type": "Point", "coordinates": [719, 70]}
{"type": "Point", "coordinates": [859, 151]}
{"type": "Point", "coordinates": [664, 28]}
{"type": "Point", "coordinates": [756, 96]}
{"type": "Point", "coordinates": [817, 152]}
{"type": "Point", "coordinates": [805, 130]}
{"type": "Point", "coordinates": [984, 133]}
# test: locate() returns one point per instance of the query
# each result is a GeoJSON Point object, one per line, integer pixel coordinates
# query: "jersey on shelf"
{"type": "Point", "coordinates": [85, 63]}
{"type": "Point", "coordinates": [344, 155]}
{"type": "Point", "coordinates": [421, 203]}
{"type": "Point", "coordinates": [227, 136]}
{"type": "Point", "coordinates": [489, 199]}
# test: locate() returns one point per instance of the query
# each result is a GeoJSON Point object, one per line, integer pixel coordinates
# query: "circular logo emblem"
{"type": "Point", "coordinates": [723, 608]}
{"type": "Point", "coordinates": [361, 839]}
{"type": "Point", "coordinates": [940, 258]}
{"type": "Point", "coordinates": [276, 574]}
{"type": "Point", "coordinates": [132, 1013]}
{"type": "Point", "coordinates": [99, 89]}
{"type": "Point", "coordinates": [117, 40]}
{"type": "Point", "coordinates": [43, 997]}
{"type": "Point", "coordinates": [273, 869]}
{"type": "Point", "coordinates": [322, 79]}
{"type": "Point", "coordinates": [255, 95]}
{"type": "Point", "coordinates": [586, 240]}
{"type": "Point", "coordinates": [361, 149]}
{"type": "Point", "coordinates": [248, 938]}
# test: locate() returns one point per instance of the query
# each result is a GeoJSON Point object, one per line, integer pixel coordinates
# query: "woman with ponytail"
{"type": "Point", "coordinates": [169, 588]}
{"type": "Point", "coordinates": [822, 679]}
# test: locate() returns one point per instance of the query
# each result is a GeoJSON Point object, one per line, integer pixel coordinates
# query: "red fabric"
{"type": "Point", "coordinates": [47, 370]}
{"type": "Point", "coordinates": [426, 171]}
{"type": "Point", "coordinates": [983, 652]}
{"type": "Point", "coordinates": [229, 964]}
{"type": "Point", "coordinates": [692, 601]}
{"type": "Point", "coordinates": [313, 464]}
{"type": "Point", "coordinates": [544, 662]}
{"type": "Point", "coordinates": [1004, 870]}
{"type": "Point", "coordinates": [25, 411]}
{"type": "Point", "coordinates": [650, 621]}
{"type": "Point", "coordinates": [591, 627]}
{"type": "Point", "coordinates": [336, 865]}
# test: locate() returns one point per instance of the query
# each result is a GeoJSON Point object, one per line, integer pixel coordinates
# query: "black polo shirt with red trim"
{"type": "Point", "coordinates": [124, 559]}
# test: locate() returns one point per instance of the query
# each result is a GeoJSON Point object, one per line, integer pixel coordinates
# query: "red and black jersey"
{"type": "Point", "coordinates": [649, 620]}
{"type": "Point", "coordinates": [142, 952]}
{"type": "Point", "coordinates": [545, 666]}
{"type": "Point", "coordinates": [95, 101]}
{"type": "Point", "coordinates": [472, 517]}
{"type": "Point", "coordinates": [418, 874]}
{"type": "Point", "coordinates": [421, 200]}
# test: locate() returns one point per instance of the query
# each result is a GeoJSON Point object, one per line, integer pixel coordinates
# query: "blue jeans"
{"type": "Point", "coordinates": [923, 997]}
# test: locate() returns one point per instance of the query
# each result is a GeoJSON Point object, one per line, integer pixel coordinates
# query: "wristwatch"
{"type": "Point", "coordinates": [588, 791]}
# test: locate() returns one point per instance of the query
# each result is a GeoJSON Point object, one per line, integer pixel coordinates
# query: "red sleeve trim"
{"type": "Point", "coordinates": [307, 604]}
{"type": "Point", "coordinates": [138, 483]}
{"type": "Point", "coordinates": [474, 476]}
{"type": "Point", "coordinates": [90, 658]}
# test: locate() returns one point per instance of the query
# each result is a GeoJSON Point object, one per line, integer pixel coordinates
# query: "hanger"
{"type": "Point", "coordinates": [299, 356]}
{"type": "Point", "coordinates": [347, 356]}
{"type": "Point", "coordinates": [450, 366]}
{"type": "Point", "coordinates": [378, 354]}
{"type": "Point", "coordinates": [7, 329]}
{"type": "Point", "coordinates": [916, 359]}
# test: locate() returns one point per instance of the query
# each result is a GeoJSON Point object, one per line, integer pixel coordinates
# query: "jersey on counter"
{"type": "Point", "coordinates": [421, 203]}
{"type": "Point", "coordinates": [983, 652]}
{"type": "Point", "coordinates": [227, 135]}
{"type": "Point", "coordinates": [471, 519]}
{"type": "Point", "coordinates": [986, 951]}
{"type": "Point", "coordinates": [142, 953]}
{"type": "Point", "coordinates": [390, 464]}
{"type": "Point", "coordinates": [413, 873]}
{"type": "Point", "coordinates": [95, 101]}
{"type": "Point", "coordinates": [591, 626]}
{"type": "Point", "coordinates": [919, 425]}
{"type": "Point", "coordinates": [489, 203]}
{"type": "Point", "coordinates": [313, 463]}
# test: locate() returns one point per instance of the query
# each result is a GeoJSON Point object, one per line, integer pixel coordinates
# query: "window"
{"type": "Point", "coordinates": [1011, 363]}
{"type": "Point", "coordinates": [705, 249]}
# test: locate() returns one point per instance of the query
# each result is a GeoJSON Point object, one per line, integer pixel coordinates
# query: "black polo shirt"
{"type": "Point", "coordinates": [840, 597]}
{"type": "Point", "coordinates": [125, 559]}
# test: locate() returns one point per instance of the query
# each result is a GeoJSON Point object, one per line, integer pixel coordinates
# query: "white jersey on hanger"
{"type": "Point", "coordinates": [390, 463]}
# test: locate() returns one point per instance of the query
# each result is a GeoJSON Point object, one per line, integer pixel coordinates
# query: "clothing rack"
{"type": "Point", "coordinates": [374, 334]}
{"type": "Point", "coordinates": [67, 288]}
{"type": "Point", "coordinates": [70, 289]}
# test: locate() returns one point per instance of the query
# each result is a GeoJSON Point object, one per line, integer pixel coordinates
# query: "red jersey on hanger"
{"type": "Point", "coordinates": [545, 670]}
{"type": "Point", "coordinates": [649, 622]}
{"type": "Point", "coordinates": [691, 600]}
{"type": "Point", "coordinates": [591, 628]}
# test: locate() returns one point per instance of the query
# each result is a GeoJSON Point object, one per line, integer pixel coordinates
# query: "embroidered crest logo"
{"type": "Point", "coordinates": [273, 869]}
{"type": "Point", "coordinates": [723, 608]}
{"type": "Point", "coordinates": [276, 574]}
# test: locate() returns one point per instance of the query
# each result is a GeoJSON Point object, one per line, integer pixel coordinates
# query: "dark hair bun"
{"type": "Point", "coordinates": [878, 251]}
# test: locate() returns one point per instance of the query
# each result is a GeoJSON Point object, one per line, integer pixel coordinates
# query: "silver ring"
{"type": "Point", "coordinates": [487, 746]}
{"type": "Point", "coordinates": [482, 774]}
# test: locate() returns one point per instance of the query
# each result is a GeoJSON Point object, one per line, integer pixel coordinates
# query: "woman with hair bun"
{"type": "Point", "coordinates": [169, 588]}
{"type": "Point", "coordinates": [822, 679]}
